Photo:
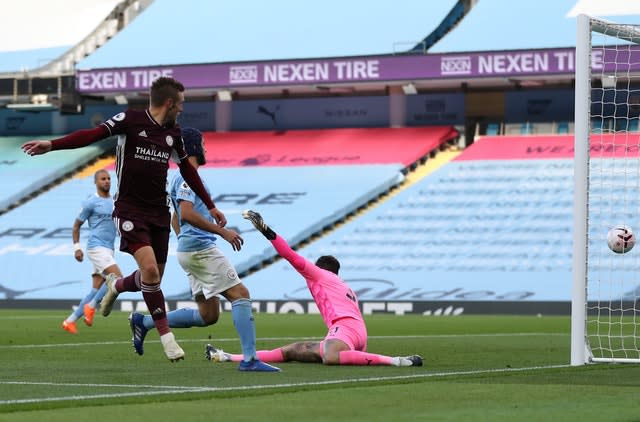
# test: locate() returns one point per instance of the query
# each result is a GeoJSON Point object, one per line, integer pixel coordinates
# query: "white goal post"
{"type": "Point", "coordinates": [605, 308]}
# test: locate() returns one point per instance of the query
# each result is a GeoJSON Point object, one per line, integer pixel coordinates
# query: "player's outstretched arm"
{"type": "Point", "coordinates": [191, 216]}
{"type": "Point", "coordinates": [282, 247]}
{"type": "Point", "coordinates": [36, 147]}
{"type": "Point", "coordinates": [259, 224]}
{"type": "Point", "coordinates": [77, 139]}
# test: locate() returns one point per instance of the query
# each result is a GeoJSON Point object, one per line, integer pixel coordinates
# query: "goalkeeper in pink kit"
{"type": "Point", "coordinates": [346, 339]}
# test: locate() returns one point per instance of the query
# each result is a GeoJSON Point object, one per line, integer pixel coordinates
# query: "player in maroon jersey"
{"type": "Point", "coordinates": [147, 139]}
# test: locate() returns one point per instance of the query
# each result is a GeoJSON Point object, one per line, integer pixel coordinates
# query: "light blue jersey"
{"type": "Point", "coordinates": [97, 210]}
{"type": "Point", "coordinates": [191, 238]}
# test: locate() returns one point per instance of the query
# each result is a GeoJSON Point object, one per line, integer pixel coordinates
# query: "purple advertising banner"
{"type": "Point", "coordinates": [359, 69]}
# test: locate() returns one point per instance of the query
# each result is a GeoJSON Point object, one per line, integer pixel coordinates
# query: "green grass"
{"type": "Point", "coordinates": [477, 368]}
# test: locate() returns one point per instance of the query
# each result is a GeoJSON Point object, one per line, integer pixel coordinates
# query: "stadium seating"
{"type": "Point", "coordinates": [526, 128]}
{"type": "Point", "coordinates": [328, 146]}
{"type": "Point", "coordinates": [313, 180]}
{"type": "Point", "coordinates": [495, 224]}
{"type": "Point", "coordinates": [22, 175]}
{"type": "Point", "coordinates": [301, 200]}
{"type": "Point", "coordinates": [563, 128]}
{"type": "Point", "coordinates": [493, 129]}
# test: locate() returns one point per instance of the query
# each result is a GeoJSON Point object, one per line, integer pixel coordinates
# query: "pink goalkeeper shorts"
{"type": "Point", "coordinates": [351, 331]}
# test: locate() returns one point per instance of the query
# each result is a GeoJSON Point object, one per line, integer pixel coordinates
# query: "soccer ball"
{"type": "Point", "coordinates": [621, 239]}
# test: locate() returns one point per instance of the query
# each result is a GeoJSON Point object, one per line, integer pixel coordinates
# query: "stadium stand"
{"type": "Point", "coordinates": [492, 225]}
{"type": "Point", "coordinates": [455, 15]}
{"type": "Point", "coordinates": [23, 175]}
{"type": "Point", "coordinates": [326, 176]}
{"type": "Point", "coordinates": [310, 196]}
{"type": "Point", "coordinates": [405, 146]}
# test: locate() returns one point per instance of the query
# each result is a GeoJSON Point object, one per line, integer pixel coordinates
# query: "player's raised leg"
{"type": "Point", "coordinates": [69, 324]}
{"type": "Point", "coordinates": [110, 295]}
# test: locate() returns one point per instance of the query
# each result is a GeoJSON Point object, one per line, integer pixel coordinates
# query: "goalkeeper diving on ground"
{"type": "Point", "coordinates": [346, 339]}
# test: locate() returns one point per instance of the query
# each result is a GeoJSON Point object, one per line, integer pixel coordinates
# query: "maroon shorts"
{"type": "Point", "coordinates": [137, 231]}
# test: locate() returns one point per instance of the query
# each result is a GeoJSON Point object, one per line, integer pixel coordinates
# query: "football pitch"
{"type": "Point", "coordinates": [476, 368]}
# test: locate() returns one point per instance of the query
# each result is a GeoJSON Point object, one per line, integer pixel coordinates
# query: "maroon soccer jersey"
{"type": "Point", "coordinates": [142, 161]}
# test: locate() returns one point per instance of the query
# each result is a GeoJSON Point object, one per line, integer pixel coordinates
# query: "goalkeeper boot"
{"type": "Point", "coordinates": [171, 348]}
{"type": "Point", "coordinates": [215, 355]}
{"type": "Point", "coordinates": [138, 331]}
{"type": "Point", "coordinates": [414, 360]}
{"type": "Point", "coordinates": [110, 296]}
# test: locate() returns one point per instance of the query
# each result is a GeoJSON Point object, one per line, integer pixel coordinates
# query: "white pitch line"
{"type": "Point", "coordinates": [91, 385]}
{"type": "Point", "coordinates": [283, 339]}
{"type": "Point", "coordinates": [182, 390]}
{"type": "Point", "coordinates": [29, 317]}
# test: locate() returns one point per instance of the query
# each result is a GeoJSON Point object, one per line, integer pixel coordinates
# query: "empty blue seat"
{"type": "Point", "coordinates": [563, 127]}
{"type": "Point", "coordinates": [493, 129]}
{"type": "Point", "coordinates": [526, 129]}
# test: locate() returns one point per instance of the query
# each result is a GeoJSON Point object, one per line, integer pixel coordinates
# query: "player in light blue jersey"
{"type": "Point", "coordinates": [209, 271]}
{"type": "Point", "coordinates": [96, 210]}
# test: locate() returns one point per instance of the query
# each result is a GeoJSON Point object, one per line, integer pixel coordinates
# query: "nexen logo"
{"type": "Point", "coordinates": [243, 74]}
{"type": "Point", "coordinates": [460, 65]}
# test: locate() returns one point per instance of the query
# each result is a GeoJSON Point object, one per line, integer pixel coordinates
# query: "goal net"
{"type": "Point", "coordinates": [605, 313]}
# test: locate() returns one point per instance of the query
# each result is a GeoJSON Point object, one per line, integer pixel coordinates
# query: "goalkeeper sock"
{"type": "Point", "coordinates": [274, 355]}
{"type": "Point", "coordinates": [354, 357]}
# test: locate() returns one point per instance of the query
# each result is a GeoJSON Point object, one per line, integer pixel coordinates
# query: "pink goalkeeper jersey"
{"type": "Point", "coordinates": [334, 298]}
